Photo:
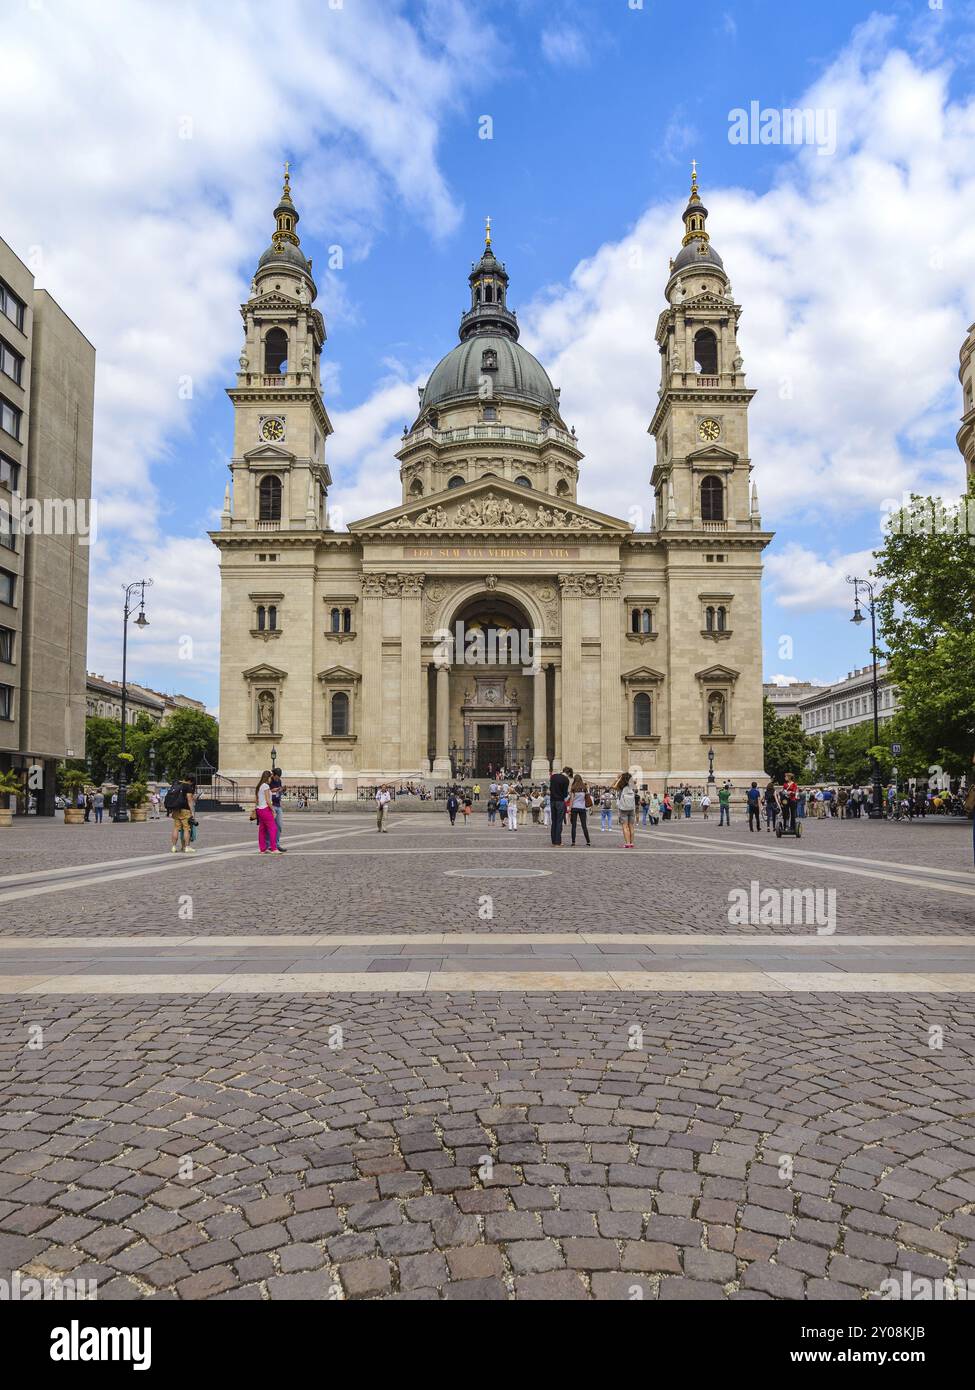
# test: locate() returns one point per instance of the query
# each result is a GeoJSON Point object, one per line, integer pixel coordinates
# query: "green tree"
{"type": "Point", "coordinates": [786, 746]}
{"type": "Point", "coordinates": [183, 742]}
{"type": "Point", "coordinates": [926, 613]}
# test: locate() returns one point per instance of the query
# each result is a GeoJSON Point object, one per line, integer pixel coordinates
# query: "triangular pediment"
{"type": "Point", "coordinates": [643, 673]}
{"type": "Point", "coordinates": [713, 453]}
{"type": "Point", "coordinates": [338, 673]}
{"type": "Point", "coordinates": [269, 455]}
{"type": "Point", "coordinates": [494, 505]}
{"type": "Point", "coordinates": [264, 672]}
{"type": "Point", "coordinates": [717, 673]}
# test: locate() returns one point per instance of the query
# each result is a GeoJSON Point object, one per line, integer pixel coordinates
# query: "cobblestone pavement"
{"type": "Point", "coordinates": [551, 1141]}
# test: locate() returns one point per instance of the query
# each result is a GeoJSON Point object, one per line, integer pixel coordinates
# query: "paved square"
{"type": "Point", "coordinates": [351, 1072]}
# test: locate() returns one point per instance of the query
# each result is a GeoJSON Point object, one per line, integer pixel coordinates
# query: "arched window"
{"type": "Point", "coordinates": [709, 619]}
{"type": "Point", "coordinates": [346, 619]}
{"type": "Point", "coordinates": [712, 499]}
{"type": "Point", "coordinates": [488, 294]}
{"type": "Point", "coordinates": [276, 352]}
{"type": "Point", "coordinates": [269, 498]}
{"type": "Point", "coordinates": [646, 623]}
{"type": "Point", "coordinates": [477, 294]}
{"type": "Point", "coordinates": [416, 488]}
{"type": "Point", "coordinates": [340, 713]}
{"type": "Point", "coordinates": [641, 715]}
{"type": "Point", "coordinates": [261, 617]}
{"type": "Point", "coordinates": [635, 620]}
{"type": "Point", "coordinates": [523, 481]}
{"type": "Point", "coordinates": [722, 615]}
{"type": "Point", "coordinates": [706, 352]}
{"type": "Point", "coordinates": [272, 619]}
{"type": "Point", "coordinates": [456, 481]}
{"type": "Point", "coordinates": [562, 488]}
{"type": "Point", "coordinates": [335, 620]}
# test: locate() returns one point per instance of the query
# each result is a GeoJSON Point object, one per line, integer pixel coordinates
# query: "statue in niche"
{"type": "Point", "coordinates": [265, 712]}
{"type": "Point", "coordinates": [716, 713]}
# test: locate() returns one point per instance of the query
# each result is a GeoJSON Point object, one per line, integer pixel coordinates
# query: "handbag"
{"type": "Point", "coordinates": [588, 802]}
{"type": "Point", "coordinates": [253, 814]}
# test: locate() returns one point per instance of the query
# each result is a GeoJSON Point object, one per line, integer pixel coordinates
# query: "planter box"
{"type": "Point", "coordinates": [138, 812]}
{"type": "Point", "coordinates": [6, 817]}
{"type": "Point", "coordinates": [74, 815]}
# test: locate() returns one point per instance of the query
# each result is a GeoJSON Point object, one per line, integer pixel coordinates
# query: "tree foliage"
{"type": "Point", "coordinates": [926, 613]}
{"type": "Point", "coordinates": [786, 746]}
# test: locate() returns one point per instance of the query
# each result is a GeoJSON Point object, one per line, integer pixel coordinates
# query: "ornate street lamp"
{"type": "Point", "coordinates": [274, 758]}
{"type": "Point", "coordinates": [152, 762]}
{"type": "Point", "coordinates": [121, 810]}
{"type": "Point", "coordinates": [710, 767]}
{"type": "Point", "coordinates": [876, 810]}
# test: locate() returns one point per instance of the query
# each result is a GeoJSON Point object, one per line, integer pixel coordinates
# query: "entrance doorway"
{"type": "Point", "coordinates": [490, 748]}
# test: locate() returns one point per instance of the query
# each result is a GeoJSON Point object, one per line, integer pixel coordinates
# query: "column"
{"type": "Point", "coordinates": [411, 752]}
{"type": "Point", "coordinates": [557, 760]}
{"type": "Point", "coordinates": [610, 621]}
{"type": "Point", "coordinates": [572, 671]}
{"type": "Point", "coordinates": [371, 729]}
{"type": "Point", "coordinates": [441, 763]}
{"type": "Point", "coordinates": [540, 765]}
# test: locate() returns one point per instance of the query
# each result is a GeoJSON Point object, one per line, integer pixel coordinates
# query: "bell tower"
{"type": "Point", "coordinates": [700, 476]}
{"type": "Point", "coordinates": [279, 477]}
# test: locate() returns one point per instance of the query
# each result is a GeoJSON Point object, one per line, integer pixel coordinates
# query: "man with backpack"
{"type": "Point", "coordinates": [754, 798]}
{"type": "Point", "coordinates": [178, 803]}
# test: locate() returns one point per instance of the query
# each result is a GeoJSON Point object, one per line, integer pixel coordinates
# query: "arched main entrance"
{"type": "Point", "coordinates": [491, 698]}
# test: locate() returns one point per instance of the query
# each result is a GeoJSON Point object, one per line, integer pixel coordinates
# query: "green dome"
{"type": "Point", "coordinates": [517, 375]}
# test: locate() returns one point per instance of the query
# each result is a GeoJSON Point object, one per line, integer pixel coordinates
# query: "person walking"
{"type": "Point", "coordinates": [688, 803]}
{"type": "Point", "coordinates": [452, 804]}
{"type": "Point", "coordinates": [267, 830]}
{"type": "Point", "coordinates": [626, 806]}
{"type": "Point", "coordinates": [383, 797]}
{"type": "Point", "coordinates": [705, 805]}
{"type": "Point", "coordinates": [605, 810]}
{"type": "Point", "coordinates": [492, 808]}
{"type": "Point", "coordinates": [153, 804]}
{"type": "Point", "coordinates": [754, 798]}
{"type": "Point", "coordinates": [503, 807]}
{"type": "Point", "coordinates": [512, 808]}
{"type": "Point", "coordinates": [724, 806]}
{"type": "Point", "coordinates": [89, 805]}
{"type": "Point", "coordinates": [558, 789]}
{"type": "Point", "coordinates": [187, 834]}
{"type": "Point", "coordinates": [179, 804]}
{"type": "Point", "coordinates": [771, 802]}
{"type": "Point", "coordinates": [580, 804]}
{"type": "Point", "coordinates": [98, 804]}
{"type": "Point", "coordinates": [466, 810]}
{"type": "Point", "coordinates": [277, 793]}
{"type": "Point", "coordinates": [678, 803]}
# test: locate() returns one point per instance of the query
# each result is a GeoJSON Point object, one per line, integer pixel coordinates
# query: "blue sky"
{"type": "Point", "coordinates": [142, 194]}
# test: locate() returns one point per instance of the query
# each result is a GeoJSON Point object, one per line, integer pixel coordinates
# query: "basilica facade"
{"type": "Point", "coordinates": [491, 620]}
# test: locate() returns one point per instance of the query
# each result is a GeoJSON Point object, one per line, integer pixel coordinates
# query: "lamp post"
{"type": "Point", "coordinates": [710, 767]}
{"type": "Point", "coordinates": [274, 758]}
{"type": "Point", "coordinates": [152, 762]}
{"type": "Point", "coordinates": [876, 809]}
{"type": "Point", "coordinates": [140, 586]}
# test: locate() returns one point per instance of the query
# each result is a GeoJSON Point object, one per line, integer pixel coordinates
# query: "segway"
{"type": "Point", "coordinates": [792, 834]}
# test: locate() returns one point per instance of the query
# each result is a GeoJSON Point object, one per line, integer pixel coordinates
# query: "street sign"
{"type": "Point", "coordinates": [895, 748]}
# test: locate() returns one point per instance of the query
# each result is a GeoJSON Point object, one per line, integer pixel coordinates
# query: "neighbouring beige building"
{"type": "Point", "coordinates": [614, 647]}
{"type": "Point", "coordinates": [103, 700]}
{"type": "Point", "coordinates": [47, 385]}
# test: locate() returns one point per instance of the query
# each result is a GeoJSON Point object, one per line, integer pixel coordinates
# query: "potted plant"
{"type": "Point", "coordinates": [73, 781]}
{"type": "Point", "coordinates": [10, 785]}
{"type": "Point", "coordinates": [136, 796]}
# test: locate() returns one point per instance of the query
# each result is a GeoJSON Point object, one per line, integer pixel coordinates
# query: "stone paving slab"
{"type": "Point", "coordinates": [790, 1146]}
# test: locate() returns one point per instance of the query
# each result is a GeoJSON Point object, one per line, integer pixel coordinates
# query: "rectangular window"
{"type": "Point", "coordinates": [10, 418]}
{"type": "Point", "coordinates": [11, 363]}
{"type": "Point", "coordinates": [9, 473]}
{"type": "Point", "coordinates": [6, 645]}
{"type": "Point", "coordinates": [11, 306]}
{"type": "Point", "coordinates": [7, 586]}
{"type": "Point", "coordinates": [6, 702]}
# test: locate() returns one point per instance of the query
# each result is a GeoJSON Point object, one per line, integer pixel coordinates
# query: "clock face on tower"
{"type": "Point", "coordinates": [709, 430]}
{"type": "Point", "coordinates": [272, 429]}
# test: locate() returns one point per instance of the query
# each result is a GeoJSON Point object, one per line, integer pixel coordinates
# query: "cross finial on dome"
{"type": "Point", "coordinates": [487, 232]}
{"type": "Point", "coordinates": [693, 178]}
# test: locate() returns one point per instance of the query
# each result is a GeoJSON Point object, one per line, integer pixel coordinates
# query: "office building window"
{"type": "Point", "coordinates": [6, 702]}
{"type": "Point", "coordinates": [9, 473]}
{"type": "Point", "coordinates": [7, 586]}
{"type": "Point", "coordinates": [10, 418]}
{"type": "Point", "coordinates": [6, 645]}
{"type": "Point", "coordinates": [11, 363]}
{"type": "Point", "coordinates": [11, 306]}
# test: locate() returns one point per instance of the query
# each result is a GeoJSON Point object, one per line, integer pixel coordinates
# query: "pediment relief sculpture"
{"type": "Point", "coordinates": [490, 512]}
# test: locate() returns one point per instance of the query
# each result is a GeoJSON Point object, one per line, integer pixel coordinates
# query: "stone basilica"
{"type": "Point", "coordinates": [490, 620]}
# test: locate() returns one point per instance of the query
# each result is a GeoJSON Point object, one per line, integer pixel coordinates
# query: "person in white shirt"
{"type": "Point", "coordinates": [383, 798]}
{"type": "Point", "coordinates": [512, 795]}
{"type": "Point", "coordinates": [267, 831]}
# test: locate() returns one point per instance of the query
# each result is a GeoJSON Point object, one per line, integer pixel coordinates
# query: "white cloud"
{"type": "Point", "coordinates": [806, 581]}
{"type": "Point", "coordinates": [564, 47]}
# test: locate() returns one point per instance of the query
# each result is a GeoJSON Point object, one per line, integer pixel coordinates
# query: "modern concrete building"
{"type": "Point", "coordinates": [47, 385]}
{"type": "Point", "coordinates": [840, 706]}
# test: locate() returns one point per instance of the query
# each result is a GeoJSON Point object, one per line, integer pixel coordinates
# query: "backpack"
{"type": "Point", "coordinates": [626, 800]}
{"type": "Point", "coordinates": [175, 799]}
